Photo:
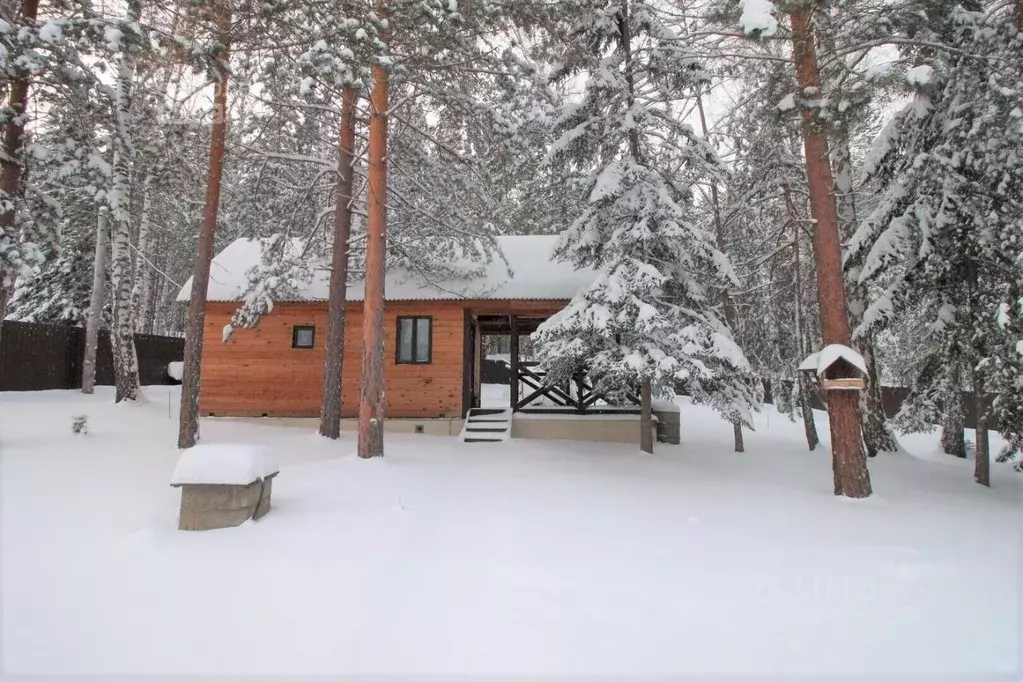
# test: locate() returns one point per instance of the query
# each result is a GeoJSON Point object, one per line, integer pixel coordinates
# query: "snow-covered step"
{"type": "Point", "coordinates": [487, 425]}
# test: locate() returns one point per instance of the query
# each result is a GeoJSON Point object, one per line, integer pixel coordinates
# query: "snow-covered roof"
{"type": "Point", "coordinates": [527, 272]}
{"type": "Point", "coordinates": [820, 361]}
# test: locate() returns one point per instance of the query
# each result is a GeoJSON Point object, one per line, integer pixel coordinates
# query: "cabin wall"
{"type": "Point", "coordinates": [257, 372]}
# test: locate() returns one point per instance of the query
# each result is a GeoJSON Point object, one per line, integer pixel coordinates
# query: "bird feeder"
{"type": "Point", "coordinates": [838, 368]}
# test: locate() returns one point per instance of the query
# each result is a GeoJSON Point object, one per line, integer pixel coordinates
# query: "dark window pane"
{"type": "Point", "coordinates": [405, 340]}
{"type": "Point", "coordinates": [423, 339]}
{"type": "Point", "coordinates": [304, 337]}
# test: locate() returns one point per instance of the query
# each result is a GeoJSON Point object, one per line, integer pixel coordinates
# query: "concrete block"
{"type": "Point", "coordinates": [669, 427]}
{"type": "Point", "coordinates": [211, 506]}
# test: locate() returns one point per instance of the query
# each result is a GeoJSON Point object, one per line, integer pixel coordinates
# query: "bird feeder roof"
{"type": "Point", "coordinates": [820, 361]}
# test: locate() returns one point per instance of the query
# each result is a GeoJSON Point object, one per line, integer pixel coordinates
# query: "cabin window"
{"type": "Point", "coordinates": [415, 341]}
{"type": "Point", "coordinates": [303, 336]}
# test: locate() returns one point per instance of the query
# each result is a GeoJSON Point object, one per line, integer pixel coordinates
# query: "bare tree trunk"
{"type": "Point", "coordinates": [330, 408]}
{"type": "Point", "coordinates": [10, 161]}
{"type": "Point", "coordinates": [156, 291]}
{"type": "Point", "coordinates": [953, 436]}
{"type": "Point", "coordinates": [99, 280]}
{"type": "Point", "coordinates": [722, 244]}
{"type": "Point", "coordinates": [188, 426]}
{"type": "Point", "coordinates": [122, 335]}
{"type": "Point", "coordinates": [141, 293]}
{"type": "Point", "coordinates": [982, 450]}
{"type": "Point", "coordinates": [851, 476]}
{"type": "Point", "coordinates": [646, 418]}
{"type": "Point", "coordinates": [876, 435]}
{"type": "Point", "coordinates": [805, 408]}
{"type": "Point", "coordinates": [371, 402]}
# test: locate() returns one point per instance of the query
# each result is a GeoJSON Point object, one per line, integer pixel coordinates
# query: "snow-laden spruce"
{"type": "Point", "coordinates": [945, 236]}
{"type": "Point", "coordinates": [650, 315]}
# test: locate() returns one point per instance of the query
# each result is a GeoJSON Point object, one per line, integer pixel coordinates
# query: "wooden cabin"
{"type": "Point", "coordinates": [433, 332]}
{"type": "Point", "coordinates": [433, 346]}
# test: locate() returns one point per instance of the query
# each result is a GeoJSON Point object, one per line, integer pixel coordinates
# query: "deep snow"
{"type": "Point", "coordinates": [515, 558]}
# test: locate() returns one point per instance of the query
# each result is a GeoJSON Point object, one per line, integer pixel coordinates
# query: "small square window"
{"type": "Point", "coordinates": [303, 336]}
{"type": "Point", "coordinates": [415, 341]}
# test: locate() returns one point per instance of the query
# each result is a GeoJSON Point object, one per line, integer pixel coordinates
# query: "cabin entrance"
{"type": "Point", "coordinates": [502, 372]}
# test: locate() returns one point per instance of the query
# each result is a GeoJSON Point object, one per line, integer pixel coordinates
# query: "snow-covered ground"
{"type": "Point", "coordinates": [516, 558]}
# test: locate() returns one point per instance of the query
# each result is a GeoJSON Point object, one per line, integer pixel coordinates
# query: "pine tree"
{"type": "Point", "coordinates": [945, 235]}
{"type": "Point", "coordinates": [648, 319]}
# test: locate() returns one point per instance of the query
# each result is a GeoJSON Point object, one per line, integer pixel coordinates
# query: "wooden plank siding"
{"type": "Point", "coordinates": [257, 372]}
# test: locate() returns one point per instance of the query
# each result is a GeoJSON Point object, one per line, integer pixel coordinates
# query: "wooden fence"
{"type": "Point", "coordinates": [37, 357]}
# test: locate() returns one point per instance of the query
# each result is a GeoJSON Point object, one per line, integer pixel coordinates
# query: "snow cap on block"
{"type": "Point", "coordinates": [224, 464]}
{"type": "Point", "coordinates": [820, 361]}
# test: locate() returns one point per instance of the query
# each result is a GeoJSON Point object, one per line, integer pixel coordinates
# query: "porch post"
{"type": "Point", "coordinates": [477, 378]}
{"type": "Point", "coordinates": [514, 350]}
{"type": "Point", "coordinates": [468, 370]}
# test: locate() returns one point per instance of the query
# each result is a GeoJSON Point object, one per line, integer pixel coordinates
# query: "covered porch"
{"type": "Point", "coordinates": [529, 390]}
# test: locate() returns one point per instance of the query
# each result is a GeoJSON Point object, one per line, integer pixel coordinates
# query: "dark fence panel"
{"type": "Point", "coordinates": [37, 357]}
{"type": "Point", "coordinates": [892, 398]}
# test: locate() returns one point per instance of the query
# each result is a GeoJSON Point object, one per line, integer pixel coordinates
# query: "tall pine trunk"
{"type": "Point", "coordinates": [371, 401]}
{"type": "Point", "coordinates": [330, 408]}
{"type": "Point", "coordinates": [99, 280]}
{"type": "Point", "coordinates": [850, 467]}
{"type": "Point", "coordinates": [722, 244]}
{"type": "Point", "coordinates": [10, 162]}
{"type": "Point", "coordinates": [188, 425]}
{"type": "Point", "coordinates": [876, 435]}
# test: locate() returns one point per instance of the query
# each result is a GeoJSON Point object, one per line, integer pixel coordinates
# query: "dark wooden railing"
{"type": "Point", "coordinates": [577, 393]}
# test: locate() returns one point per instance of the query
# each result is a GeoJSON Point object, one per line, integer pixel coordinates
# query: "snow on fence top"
{"type": "Point", "coordinates": [224, 464]}
{"type": "Point", "coordinates": [527, 272]}
{"type": "Point", "coordinates": [829, 355]}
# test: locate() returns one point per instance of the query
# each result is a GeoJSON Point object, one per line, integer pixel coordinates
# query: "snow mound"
{"type": "Point", "coordinates": [919, 75]}
{"type": "Point", "coordinates": [758, 15]}
{"type": "Point", "coordinates": [224, 464]}
{"type": "Point", "coordinates": [829, 355]}
{"type": "Point", "coordinates": [176, 370]}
